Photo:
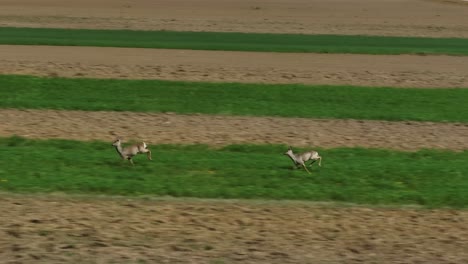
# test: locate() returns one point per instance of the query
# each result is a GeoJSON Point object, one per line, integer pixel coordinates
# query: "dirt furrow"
{"type": "Point", "coordinates": [223, 130]}
{"type": "Point", "coordinates": [221, 66]}
{"type": "Point", "coordinates": [434, 18]}
{"type": "Point", "coordinates": [57, 229]}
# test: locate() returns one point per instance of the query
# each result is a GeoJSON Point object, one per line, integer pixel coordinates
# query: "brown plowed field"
{"type": "Point", "coordinates": [62, 229]}
{"type": "Point", "coordinates": [222, 130]}
{"type": "Point", "coordinates": [436, 18]}
{"type": "Point", "coordinates": [344, 69]}
{"type": "Point", "coordinates": [58, 229]}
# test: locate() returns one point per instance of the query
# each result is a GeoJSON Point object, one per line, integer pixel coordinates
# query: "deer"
{"type": "Point", "coordinates": [129, 152]}
{"type": "Point", "coordinates": [302, 158]}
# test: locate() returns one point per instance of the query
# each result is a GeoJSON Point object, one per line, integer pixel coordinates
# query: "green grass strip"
{"type": "Point", "coordinates": [343, 102]}
{"type": "Point", "coordinates": [370, 176]}
{"type": "Point", "coordinates": [234, 41]}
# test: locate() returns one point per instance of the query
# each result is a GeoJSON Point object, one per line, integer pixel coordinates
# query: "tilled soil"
{"type": "Point", "coordinates": [435, 18]}
{"type": "Point", "coordinates": [58, 229]}
{"type": "Point", "coordinates": [221, 66]}
{"type": "Point", "coordinates": [223, 130]}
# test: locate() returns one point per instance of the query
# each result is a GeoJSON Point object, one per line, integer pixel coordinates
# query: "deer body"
{"type": "Point", "coordinates": [129, 152]}
{"type": "Point", "coordinates": [302, 158]}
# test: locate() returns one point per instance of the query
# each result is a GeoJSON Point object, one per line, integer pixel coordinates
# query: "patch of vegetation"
{"type": "Point", "coordinates": [307, 101]}
{"type": "Point", "coordinates": [234, 41]}
{"type": "Point", "coordinates": [370, 176]}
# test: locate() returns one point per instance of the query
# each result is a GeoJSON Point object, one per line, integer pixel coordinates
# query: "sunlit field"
{"type": "Point", "coordinates": [234, 41]}
{"type": "Point", "coordinates": [370, 176]}
{"type": "Point", "coordinates": [308, 101]}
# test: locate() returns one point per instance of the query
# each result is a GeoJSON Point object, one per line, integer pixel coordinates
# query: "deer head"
{"type": "Point", "coordinates": [116, 142]}
{"type": "Point", "coordinates": [289, 152]}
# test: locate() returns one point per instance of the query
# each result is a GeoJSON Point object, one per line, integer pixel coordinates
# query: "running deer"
{"type": "Point", "coordinates": [302, 158]}
{"type": "Point", "coordinates": [130, 151]}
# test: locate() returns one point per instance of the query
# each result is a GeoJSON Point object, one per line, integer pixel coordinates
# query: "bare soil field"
{"type": "Point", "coordinates": [68, 229]}
{"type": "Point", "coordinates": [435, 18]}
{"type": "Point", "coordinates": [220, 66]}
{"type": "Point", "coordinates": [223, 130]}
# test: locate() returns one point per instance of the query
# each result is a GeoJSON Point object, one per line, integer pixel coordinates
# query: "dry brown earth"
{"type": "Point", "coordinates": [58, 229]}
{"type": "Point", "coordinates": [223, 130]}
{"type": "Point", "coordinates": [128, 63]}
{"type": "Point", "coordinates": [383, 17]}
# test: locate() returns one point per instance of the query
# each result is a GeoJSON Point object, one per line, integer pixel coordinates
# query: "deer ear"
{"type": "Point", "coordinates": [290, 147]}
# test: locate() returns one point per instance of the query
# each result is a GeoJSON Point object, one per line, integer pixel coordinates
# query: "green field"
{"type": "Point", "coordinates": [342, 102]}
{"type": "Point", "coordinates": [234, 41]}
{"type": "Point", "coordinates": [370, 176]}
{"type": "Point", "coordinates": [367, 176]}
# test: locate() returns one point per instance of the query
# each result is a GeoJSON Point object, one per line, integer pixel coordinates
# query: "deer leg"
{"type": "Point", "coordinates": [131, 161]}
{"type": "Point", "coordinates": [148, 153]}
{"type": "Point", "coordinates": [303, 165]}
{"type": "Point", "coordinates": [313, 161]}
{"type": "Point", "coordinates": [320, 161]}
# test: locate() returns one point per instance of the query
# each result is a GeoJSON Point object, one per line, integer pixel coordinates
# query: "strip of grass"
{"type": "Point", "coordinates": [234, 41]}
{"type": "Point", "coordinates": [429, 178]}
{"type": "Point", "coordinates": [235, 99]}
